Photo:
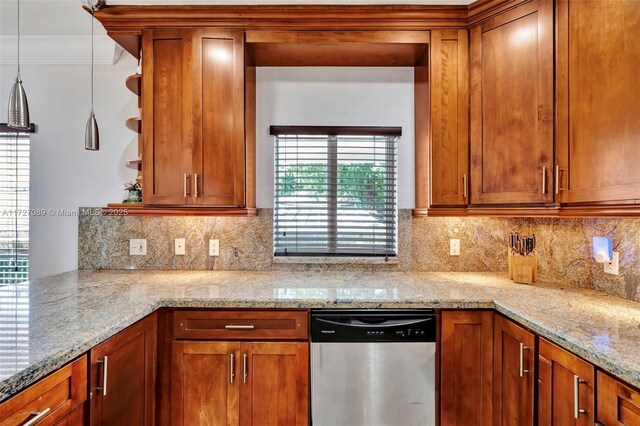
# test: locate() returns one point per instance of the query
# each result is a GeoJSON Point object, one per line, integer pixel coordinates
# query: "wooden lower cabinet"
{"type": "Point", "coordinates": [240, 383]}
{"type": "Point", "coordinates": [75, 418]}
{"type": "Point", "coordinates": [122, 377]}
{"type": "Point", "coordinates": [618, 404]}
{"type": "Point", "coordinates": [514, 374]}
{"type": "Point", "coordinates": [466, 368]}
{"type": "Point", "coordinates": [565, 387]}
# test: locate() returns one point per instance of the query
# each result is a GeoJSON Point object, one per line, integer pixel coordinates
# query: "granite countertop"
{"type": "Point", "coordinates": [46, 323]}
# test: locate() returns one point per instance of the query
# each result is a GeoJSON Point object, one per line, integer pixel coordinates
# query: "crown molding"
{"type": "Point", "coordinates": [56, 50]}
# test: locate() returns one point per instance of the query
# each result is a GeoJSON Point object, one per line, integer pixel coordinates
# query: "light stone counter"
{"type": "Point", "coordinates": [46, 323]}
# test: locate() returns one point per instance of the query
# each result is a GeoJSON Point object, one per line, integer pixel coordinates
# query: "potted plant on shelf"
{"type": "Point", "coordinates": [134, 191]}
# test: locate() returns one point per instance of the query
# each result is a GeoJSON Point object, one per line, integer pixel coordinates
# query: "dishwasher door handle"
{"type": "Point", "coordinates": [385, 324]}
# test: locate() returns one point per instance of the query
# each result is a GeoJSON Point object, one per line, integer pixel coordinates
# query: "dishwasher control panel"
{"type": "Point", "coordinates": [373, 325]}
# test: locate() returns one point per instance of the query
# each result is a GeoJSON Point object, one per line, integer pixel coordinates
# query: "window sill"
{"type": "Point", "coordinates": [335, 260]}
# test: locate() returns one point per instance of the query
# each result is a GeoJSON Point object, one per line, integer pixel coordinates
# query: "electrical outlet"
{"type": "Point", "coordinates": [180, 246]}
{"type": "Point", "coordinates": [612, 267]}
{"type": "Point", "coordinates": [214, 247]}
{"type": "Point", "coordinates": [138, 247]}
{"type": "Point", "coordinates": [454, 247]}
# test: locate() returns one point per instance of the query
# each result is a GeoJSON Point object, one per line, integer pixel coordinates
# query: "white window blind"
{"type": "Point", "coordinates": [14, 207]}
{"type": "Point", "coordinates": [335, 191]}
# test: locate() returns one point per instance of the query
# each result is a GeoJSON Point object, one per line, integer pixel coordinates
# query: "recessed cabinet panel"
{"type": "Point", "coordinates": [598, 103]}
{"type": "Point", "coordinates": [512, 106]}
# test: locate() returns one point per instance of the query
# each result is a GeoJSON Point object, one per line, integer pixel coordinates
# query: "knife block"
{"type": "Point", "coordinates": [523, 269]}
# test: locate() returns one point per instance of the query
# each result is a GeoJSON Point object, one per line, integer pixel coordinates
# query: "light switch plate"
{"type": "Point", "coordinates": [612, 267]}
{"type": "Point", "coordinates": [138, 247]}
{"type": "Point", "coordinates": [454, 247]}
{"type": "Point", "coordinates": [214, 247]}
{"type": "Point", "coordinates": [180, 246]}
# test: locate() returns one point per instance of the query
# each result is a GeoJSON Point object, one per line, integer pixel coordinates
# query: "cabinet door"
{"type": "Point", "coordinates": [123, 377]}
{"type": "Point", "coordinates": [218, 115]}
{"type": "Point", "coordinates": [618, 404]}
{"type": "Point", "coordinates": [466, 368]}
{"type": "Point", "coordinates": [274, 387]}
{"type": "Point", "coordinates": [167, 117]}
{"type": "Point", "coordinates": [514, 374]}
{"type": "Point", "coordinates": [204, 384]}
{"type": "Point", "coordinates": [598, 103]}
{"type": "Point", "coordinates": [449, 117]}
{"type": "Point", "coordinates": [75, 418]}
{"type": "Point", "coordinates": [512, 106]}
{"type": "Point", "coordinates": [561, 377]}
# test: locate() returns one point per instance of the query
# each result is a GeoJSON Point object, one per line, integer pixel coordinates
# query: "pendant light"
{"type": "Point", "coordinates": [18, 105]}
{"type": "Point", "coordinates": [91, 133]}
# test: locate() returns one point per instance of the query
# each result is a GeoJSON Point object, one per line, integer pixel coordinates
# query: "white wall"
{"type": "Point", "coordinates": [63, 174]}
{"type": "Point", "coordinates": [340, 96]}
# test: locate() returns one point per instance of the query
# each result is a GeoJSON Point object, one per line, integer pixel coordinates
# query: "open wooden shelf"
{"type": "Point", "coordinates": [134, 164]}
{"type": "Point", "coordinates": [135, 124]}
{"type": "Point", "coordinates": [138, 209]}
{"type": "Point", "coordinates": [134, 83]}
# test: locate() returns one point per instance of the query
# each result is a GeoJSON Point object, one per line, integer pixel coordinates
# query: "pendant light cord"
{"type": "Point", "coordinates": [92, 11]}
{"type": "Point", "coordinates": [15, 243]}
{"type": "Point", "coordinates": [18, 39]}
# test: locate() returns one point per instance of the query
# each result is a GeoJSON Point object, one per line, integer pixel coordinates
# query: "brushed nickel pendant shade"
{"type": "Point", "coordinates": [91, 132]}
{"type": "Point", "coordinates": [18, 106]}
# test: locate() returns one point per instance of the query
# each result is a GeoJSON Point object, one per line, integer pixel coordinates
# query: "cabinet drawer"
{"type": "Point", "coordinates": [241, 325]}
{"type": "Point", "coordinates": [618, 404]}
{"type": "Point", "coordinates": [53, 397]}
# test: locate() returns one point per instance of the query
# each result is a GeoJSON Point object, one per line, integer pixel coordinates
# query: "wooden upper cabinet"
{"type": "Point", "coordinates": [167, 128]}
{"type": "Point", "coordinates": [561, 377]}
{"type": "Point", "coordinates": [218, 115]}
{"type": "Point", "coordinates": [512, 106]}
{"type": "Point", "coordinates": [514, 374]}
{"type": "Point", "coordinates": [122, 377]}
{"type": "Point", "coordinates": [618, 404]}
{"type": "Point", "coordinates": [597, 99]}
{"type": "Point", "coordinates": [449, 117]}
{"type": "Point", "coordinates": [193, 117]}
{"type": "Point", "coordinates": [466, 368]}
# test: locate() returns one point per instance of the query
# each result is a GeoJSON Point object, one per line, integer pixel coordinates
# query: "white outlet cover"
{"type": "Point", "coordinates": [214, 247]}
{"type": "Point", "coordinates": [179, 248]}
{"type": "Point", "coordinates": [613, 266]}
{"type": "Point", "coordinates": [454, 247]}
{"type": "Point", "coordinates": [138, 247]}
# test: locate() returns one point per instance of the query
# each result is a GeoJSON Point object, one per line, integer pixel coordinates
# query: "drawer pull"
{"type": "Point", "coordinates": [38, 415]}
{"type": "Point", "coordinates": [239, 327]}
{"type": "Point", "coordinates": [105, 363]}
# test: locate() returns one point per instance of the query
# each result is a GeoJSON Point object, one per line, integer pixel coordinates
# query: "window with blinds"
{"type": "Point", "coordinates": [14, 207]}
{"type": "Point", "coordinates": [335, 191]}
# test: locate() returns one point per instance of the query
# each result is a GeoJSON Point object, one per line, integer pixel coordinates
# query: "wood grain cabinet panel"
{"type": "Point", "coordinates": [512, 106]}
{"type": "Point", "coordinates": [52, 398]}
{"type": "Point", "coordinates": [618, 404]}
{"type": "Point", "coordinates": [122, 377]}
{"type": "Point", "coordinates": [514, 374]}
{"type": "Point", "coordinates": [466, 365]}
{"type": "Point", "coordinates": [598, 104]}
{"type": "Point", "coordinates": [449, 117]}
{"type": "Point", "coordinates": [562, 376]}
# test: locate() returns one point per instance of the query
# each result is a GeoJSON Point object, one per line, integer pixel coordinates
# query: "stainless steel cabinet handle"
{"type": "Point", "coordinates": [38, 415]}
{"type": "Point", "coordinates": [233, 373]}
{"type": "Point", "coordinates": [576, 397]}
{"type": "Point", "coordinates": [558, 170]}
{"type": "Point", "coordinates": [105, 364]}
{"type": "Point", "coordinates": [464, 185]}
{"type": "Point", "coordinates": [544, 179]}
{"type": "Point", "coordinates": [239, 327]}
{"type": "Point", "coordinates": [522, 370]}
{"type": "Point", "coordinates": [195, 185]}
{"type": "Point", "coordinates": [185, 186]}
{"type": "Point", "coordinates": [244, 368]}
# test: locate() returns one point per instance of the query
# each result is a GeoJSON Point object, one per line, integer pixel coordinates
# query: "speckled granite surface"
{"type": "Point", "coordinates": [564, 246]}
{"type": "Point", "coordinates": [48, 322]}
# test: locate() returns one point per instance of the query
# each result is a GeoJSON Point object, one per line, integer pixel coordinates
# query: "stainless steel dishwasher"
{"type": "Point", "coordinates": [373, 367]}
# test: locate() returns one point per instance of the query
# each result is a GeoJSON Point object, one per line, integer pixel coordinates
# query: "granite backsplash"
{"type": "Point", "coordinates": [564, 246]}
